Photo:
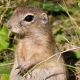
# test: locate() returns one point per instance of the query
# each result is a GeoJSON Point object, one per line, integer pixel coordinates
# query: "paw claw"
{"type": "Point", "coordinates": [19, 67]}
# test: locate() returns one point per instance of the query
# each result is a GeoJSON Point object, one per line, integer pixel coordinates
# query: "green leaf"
{"type": "Point", "coordinates": [4, 69]}
{"type": "Point", "coordinates": [36, 3]}
{"type": "Point", "coordinates": [4, 40]}
{"type": "Point", "coordinates": [60, 38]}
{"type": "Point", "coordinates": [52, 7]}
{"type": "Point", "coordinates": [57, 7]}
{"type": "Point", "coordinates": [48, 6]}
{"type": "Point", "coordinates": [5, 77]}
{"type": "Point", "coordinates": [56, 30]}
{"type": "Point", "coordinates": [4, 30]}
{"type": "Point", "coordinates": [77, 53]}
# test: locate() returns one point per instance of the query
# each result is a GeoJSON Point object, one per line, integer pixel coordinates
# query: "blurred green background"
{"type": "Point", "coordinates": [64, 16]}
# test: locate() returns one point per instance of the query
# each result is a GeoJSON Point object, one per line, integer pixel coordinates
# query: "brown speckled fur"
{"type": "Point", "coordinates": [35, 45]}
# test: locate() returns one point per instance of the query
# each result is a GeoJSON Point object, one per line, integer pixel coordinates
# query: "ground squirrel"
{"type": "Point", "coordinates": [35, 45]}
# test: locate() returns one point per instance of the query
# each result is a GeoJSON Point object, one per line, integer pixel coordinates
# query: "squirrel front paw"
{"type": "Point", "coordinates": [22, 70]}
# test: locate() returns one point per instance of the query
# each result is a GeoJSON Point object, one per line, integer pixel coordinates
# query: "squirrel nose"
{"type": "Point", "coordinates": [9, 25]}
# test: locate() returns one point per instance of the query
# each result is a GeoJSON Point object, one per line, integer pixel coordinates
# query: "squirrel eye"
{"type": "Point", "coordinates": [28, 18]}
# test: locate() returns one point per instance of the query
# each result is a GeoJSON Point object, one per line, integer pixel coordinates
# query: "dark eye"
{"type": "Point", "coordinates": [28, 18]}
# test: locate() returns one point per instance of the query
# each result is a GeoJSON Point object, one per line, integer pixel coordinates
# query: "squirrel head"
{"type": "Point", "coordinates": [27, 19]}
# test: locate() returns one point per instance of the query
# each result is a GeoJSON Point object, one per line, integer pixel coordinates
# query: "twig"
{"type": "Point", "coordinates": [5, 64]}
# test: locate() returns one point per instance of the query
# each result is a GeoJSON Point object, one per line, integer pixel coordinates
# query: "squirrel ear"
{"type": "Point", "coordinates": [44, 18]}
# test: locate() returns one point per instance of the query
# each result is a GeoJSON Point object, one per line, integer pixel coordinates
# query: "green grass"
{"type": "Point", "coordinates": [65, 21]}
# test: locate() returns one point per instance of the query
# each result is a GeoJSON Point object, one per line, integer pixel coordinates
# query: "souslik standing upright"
{"type": "Point", "coordinates": [35, 45]}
